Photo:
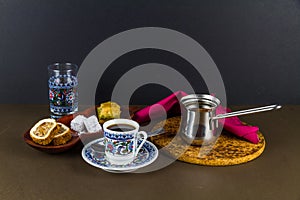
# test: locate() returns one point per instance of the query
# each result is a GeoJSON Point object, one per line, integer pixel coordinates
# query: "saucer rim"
{"type": "Point", "coordinates": [116, 169]}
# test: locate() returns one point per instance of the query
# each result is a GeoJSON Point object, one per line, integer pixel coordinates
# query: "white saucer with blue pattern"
{"type": "Point", "coordinates": [93, 154]}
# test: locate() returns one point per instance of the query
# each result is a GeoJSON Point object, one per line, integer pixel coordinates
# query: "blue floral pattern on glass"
{"type": "Point", "coordinates": [63, 94]}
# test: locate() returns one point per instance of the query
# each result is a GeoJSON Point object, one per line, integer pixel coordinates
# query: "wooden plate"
{"type": "Point", "coordinates": [75, 139]}
{"type": "Point", "coordinates": [51, 148]}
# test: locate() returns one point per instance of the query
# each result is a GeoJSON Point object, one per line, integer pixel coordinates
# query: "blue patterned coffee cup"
{"type": "Point", "coordinates": [121, 138]}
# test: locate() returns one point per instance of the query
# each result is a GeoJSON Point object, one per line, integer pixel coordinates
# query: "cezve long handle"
{"type": "Point", "coordinates": [248, 111]}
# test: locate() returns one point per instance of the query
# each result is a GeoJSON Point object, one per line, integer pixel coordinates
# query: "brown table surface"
{"type": "Point", "coordinates": [26, 173]}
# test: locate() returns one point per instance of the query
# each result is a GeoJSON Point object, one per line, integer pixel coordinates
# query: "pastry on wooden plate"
{"type": "Point", "coordinates": [42, 132]}
{"type": "Point", "coordinates": [62, 134]}
{"type": "Point", "coordinates": [46, 131]}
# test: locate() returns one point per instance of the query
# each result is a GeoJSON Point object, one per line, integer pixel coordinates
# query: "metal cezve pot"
{"type": "Point", "coordinates": [200, 123]}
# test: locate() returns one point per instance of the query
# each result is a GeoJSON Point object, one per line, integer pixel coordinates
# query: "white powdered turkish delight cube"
{"type": "Point", "coordinates": [92, 125]}
{"type": "Point", "coordinates": [77, 124]}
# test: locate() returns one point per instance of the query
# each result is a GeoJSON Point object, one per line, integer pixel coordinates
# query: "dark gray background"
{"type": "Point", "coordinates": [255, 44]}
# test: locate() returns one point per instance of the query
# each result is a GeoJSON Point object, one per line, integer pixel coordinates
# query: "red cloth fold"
{"type": "Point", "coordinates": [235, 126]}
{"type": "Point", "coordinates": [171, 105]}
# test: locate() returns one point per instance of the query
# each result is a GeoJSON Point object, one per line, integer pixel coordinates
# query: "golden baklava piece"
{"type": "Point", "coordinates": [108, 110]}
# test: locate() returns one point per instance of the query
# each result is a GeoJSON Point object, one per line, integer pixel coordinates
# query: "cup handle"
{"type": "Point", "coordinates": [142, 143]}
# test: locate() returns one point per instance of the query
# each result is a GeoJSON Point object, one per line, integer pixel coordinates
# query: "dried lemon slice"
{"type": "Point", "coordinates": [62, 134]}
{"type": "Point", "coordinates": [42, 132]}
{"type": "Point", "coordinates": [108, 110]}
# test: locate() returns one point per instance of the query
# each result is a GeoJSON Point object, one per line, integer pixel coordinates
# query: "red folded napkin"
{"type": "Point", "coordinates": [235, 126]}
{"type": "Point", "coordinates": [171, 105]}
